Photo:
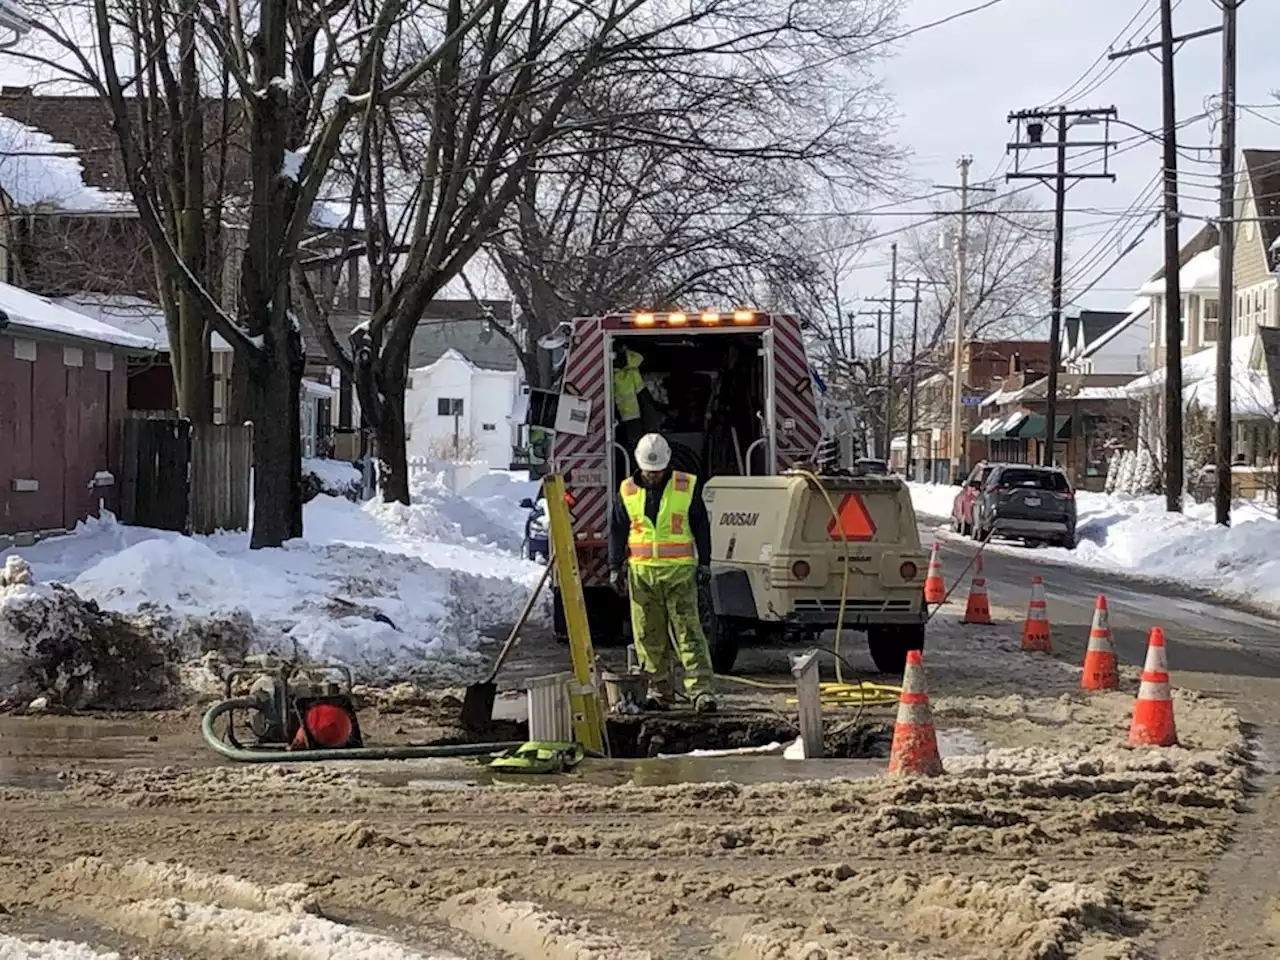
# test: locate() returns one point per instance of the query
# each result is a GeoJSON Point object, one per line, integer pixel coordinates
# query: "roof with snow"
{"type": "Point", "coordinates": [1088, 326]}
{"type": "Point", "coordinates": [1251, 393]}
{"type": "Point", "coordinates": [1206, 238]}
{"type": "Point", "coordinates": [1137, 310]}
{"type": "Point", "coordinates": [1198, 275]}
{"type": "Point", "coordinates": [459, 325]}
{"type": "Point", "coordinates": [61, 153]}
{"type": "Point", "coordinates": [28, 312]}
{"type": "Point", "coordinates": [134, 315]}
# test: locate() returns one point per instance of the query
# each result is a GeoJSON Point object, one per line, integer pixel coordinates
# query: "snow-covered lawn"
{"type": "Point", "coordinates": [1135, 536]}
{"type": "Point", "coordinates": [391, 590]}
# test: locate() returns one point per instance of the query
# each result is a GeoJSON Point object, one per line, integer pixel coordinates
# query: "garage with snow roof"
{"type": "Point", "coordinates": [63, 389]}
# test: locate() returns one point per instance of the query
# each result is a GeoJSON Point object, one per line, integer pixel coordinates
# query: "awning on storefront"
{"type": "Point", "coordinates": [1032, 428]}
{"type": "Point", "coordinates": [991, 428]}
{"type": "Point", "coordinates": [1015, 421]}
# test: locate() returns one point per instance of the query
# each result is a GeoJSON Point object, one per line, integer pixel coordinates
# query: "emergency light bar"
{"type": "Point", "coordinates": [709, 318]}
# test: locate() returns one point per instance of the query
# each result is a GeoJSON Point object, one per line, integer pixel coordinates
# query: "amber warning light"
{"type": "Point", "coordinates": [705, 318]}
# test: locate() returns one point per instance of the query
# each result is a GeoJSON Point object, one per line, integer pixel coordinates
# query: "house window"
{"type": "Point", "coordinates": [1209, 324]}
{"type": "Point", "coordinates": [449, 407]}
{"type": "Point", "coordinates": [488, 427]}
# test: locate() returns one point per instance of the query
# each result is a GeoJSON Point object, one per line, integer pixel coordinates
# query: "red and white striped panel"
{"type": "Point", "coordinates": [584, 373]}
{"type": "Point", "coordinates": [794, 394]}
{"type": "Point", "coordinates": [584, 376]}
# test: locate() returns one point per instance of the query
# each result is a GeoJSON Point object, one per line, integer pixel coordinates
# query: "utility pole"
{"type": "Point", "coordinates": [1173, 455]}
{"type": "Point", "coordinates": [911, 384]}
{"type": "Point", "coordinates": [1032, 122]}
{"type": "Point", "coordinates": [877, 364]}
{"type": "Point", "coordinates": [892, 300]}
{"type": "Point", "coordinates": [1226, 265]}
{"type": "Point", "coordinates": [960, 446]}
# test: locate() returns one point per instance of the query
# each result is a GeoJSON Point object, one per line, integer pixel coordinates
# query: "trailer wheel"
{"type": "Point", "coordinates": [888, 646]}
{"type": "Point", "coordinates": [722, 633]}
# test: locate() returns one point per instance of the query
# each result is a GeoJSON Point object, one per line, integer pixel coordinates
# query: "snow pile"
{"type": "Point", "coordinates": [499, 493]}
{"type": "Point", "coordinates": [337, 478]}
{"type": "Point", "coordinates": [1137, 537]}
{"type": "Point", "coordinates": [395, 592]}
{"type": "Point", "coordinates": [933, 499]}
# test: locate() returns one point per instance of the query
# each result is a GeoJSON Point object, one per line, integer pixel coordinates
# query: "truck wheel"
{"type": "Point", "coordinates": [722, 633]}
{"type": "Point", "coordinates": [889, 645]}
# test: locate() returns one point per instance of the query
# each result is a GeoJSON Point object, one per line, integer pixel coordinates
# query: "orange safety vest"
{"type": "Point", "coordinates": [669, 542]}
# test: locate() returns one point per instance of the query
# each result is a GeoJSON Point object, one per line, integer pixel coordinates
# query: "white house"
{"type": "Point", "coordinates": [456, 410]}
{"type": "Point", "coordinates": [1123, 348]}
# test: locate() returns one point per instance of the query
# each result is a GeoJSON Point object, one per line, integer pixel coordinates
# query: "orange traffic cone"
{"type": "Point", "coordinates": [1153, 712]}
{"type": "Point", "coordinates": [1101, 671]}
{"type": "Point", "coordinates": [915, 742]}
{"type": "Point", "coordinates": [935, 591]}
{"type": "Point", "coordinates": [1035, 629]}
{"type": "Point", "coordinates": [978, 609]}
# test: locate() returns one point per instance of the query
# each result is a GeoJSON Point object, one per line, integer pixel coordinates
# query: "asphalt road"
{"type": "Point", "coordinates": [1203, 636]}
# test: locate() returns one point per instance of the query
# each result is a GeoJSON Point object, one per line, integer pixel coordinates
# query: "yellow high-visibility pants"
{"type": "Point", "coordinates": [664, 609]}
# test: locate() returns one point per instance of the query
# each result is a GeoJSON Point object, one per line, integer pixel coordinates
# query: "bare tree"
{"type": "Point", "coordinates": [1010, 265]}
{"type": "Point", "coordinates": [672, 192]}
{"type": "Point", "coordinates": [301, 71]}
{"type": "Point", "coordinates": [515, 98]}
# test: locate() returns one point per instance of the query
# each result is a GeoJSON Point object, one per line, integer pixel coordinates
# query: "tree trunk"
{"type": "Point", "coordinates": [393, 459]}
{"type": "Point", "coordinates": [193, 372]}
{"type": "Point", "coordinates": [276, 383]}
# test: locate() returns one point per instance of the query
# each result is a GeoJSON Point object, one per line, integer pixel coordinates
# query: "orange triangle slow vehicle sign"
{"type": "Point", "coordinates": [855, 521]}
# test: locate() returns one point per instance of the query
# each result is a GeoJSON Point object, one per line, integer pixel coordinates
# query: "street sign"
{"type": "Point", "coordinates": [975, 401]}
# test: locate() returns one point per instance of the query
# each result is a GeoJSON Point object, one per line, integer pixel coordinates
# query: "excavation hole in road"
{"type": "Point", "coordinates": [648, 735]}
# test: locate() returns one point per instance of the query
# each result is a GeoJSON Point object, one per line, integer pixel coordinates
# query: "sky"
{"type": "Point", "coordinates": [956, 84]}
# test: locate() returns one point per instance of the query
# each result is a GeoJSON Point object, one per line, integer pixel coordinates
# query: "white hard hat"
{"type": "Point", "coordinates": [653, 452]}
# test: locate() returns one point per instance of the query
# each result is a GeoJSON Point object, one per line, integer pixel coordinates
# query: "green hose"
{"type": "Point", "coordinates": [409, 751]}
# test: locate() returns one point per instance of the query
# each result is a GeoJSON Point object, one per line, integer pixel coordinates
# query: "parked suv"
{"type": "Point", "coordinates": [1035, 504]}
{"type": "Point", "coordinates": [962, 506]}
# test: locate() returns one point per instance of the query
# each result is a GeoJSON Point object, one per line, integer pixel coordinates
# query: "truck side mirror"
{"type": "Point", "coordinates": [526, 504]}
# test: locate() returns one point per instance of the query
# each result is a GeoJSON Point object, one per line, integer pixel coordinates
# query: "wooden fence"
{"type": "Point", "coordinates": [192, 478]}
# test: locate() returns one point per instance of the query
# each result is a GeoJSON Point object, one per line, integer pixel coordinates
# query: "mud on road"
{"type": "Point", "coordinates": [1046, 839]}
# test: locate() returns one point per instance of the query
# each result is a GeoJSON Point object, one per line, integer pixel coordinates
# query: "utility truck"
{"type": "Point", "coordinates": [732, 392]}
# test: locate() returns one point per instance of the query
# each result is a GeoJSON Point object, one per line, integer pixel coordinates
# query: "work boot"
{"type": "Point", "coordinates": [704, 703]}
{"type": "Point", "coordinates": [654, 703]}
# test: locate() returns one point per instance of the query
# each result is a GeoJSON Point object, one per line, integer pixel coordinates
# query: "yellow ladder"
{"type": "Point", "coordinates": [588, 717]}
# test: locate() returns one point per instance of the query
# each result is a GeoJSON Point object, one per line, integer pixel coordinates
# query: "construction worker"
{"type": "Point", "coordinates": [660, 528]}
{"type": "Point", "coordinates": [627, 387]}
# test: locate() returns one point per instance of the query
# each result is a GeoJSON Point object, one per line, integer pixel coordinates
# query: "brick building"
{"type": "Point", "coordinates": [985, 367]}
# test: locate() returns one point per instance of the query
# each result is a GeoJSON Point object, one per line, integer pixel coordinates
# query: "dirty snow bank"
{"type": "Point", "coordinates": [172, 905]}
{"type": "Point", "coordinates": [1137, 537]}
{"type": "Point", "coordinates": [393, 591]}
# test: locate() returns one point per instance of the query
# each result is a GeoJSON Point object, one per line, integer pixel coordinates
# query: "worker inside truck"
{"type": "Point", "coordinates": [707, 394]}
